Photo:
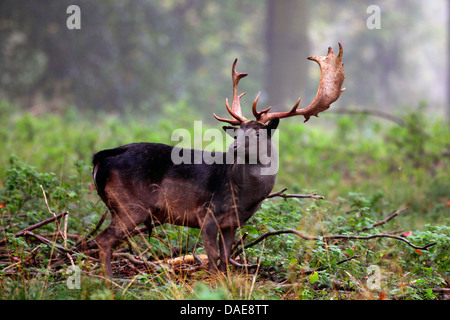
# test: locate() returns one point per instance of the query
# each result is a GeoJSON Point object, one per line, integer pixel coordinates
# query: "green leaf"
{"type": "Point", "coordinates": [313, 277]}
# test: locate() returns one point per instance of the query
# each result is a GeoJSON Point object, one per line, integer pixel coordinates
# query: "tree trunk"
{"type": "Point", "coordinates": [448, 61]}
{"type": "Point", "coordinates": [287, 48]}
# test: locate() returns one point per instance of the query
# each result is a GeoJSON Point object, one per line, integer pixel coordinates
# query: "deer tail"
{"type": "Point", "coordinates": [100, 156]}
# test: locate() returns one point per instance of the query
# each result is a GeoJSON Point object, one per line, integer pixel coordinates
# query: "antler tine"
{"type": "Point", "coordinates": [294, 108]}
{"type": "Point", "coordinates": [236, 78]}
{"type": "Point", "coordinates": [230, 121]}
{"type": "Point", "coordinates": [256, 113]}
{"type": "Point", "coordinates": [235, 109]}
{"type": "Point", "coordinates": [331, 80]}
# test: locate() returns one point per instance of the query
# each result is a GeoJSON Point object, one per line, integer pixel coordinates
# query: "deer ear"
{"type": "Point", "coordinates": [231, 131]}
{"type": "Point", "coordinates": [272, 125]}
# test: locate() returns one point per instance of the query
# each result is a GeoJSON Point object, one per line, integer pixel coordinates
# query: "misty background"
{"type": "Point", "coordinates": [146, 55]}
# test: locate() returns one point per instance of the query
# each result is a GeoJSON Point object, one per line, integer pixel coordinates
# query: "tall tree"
{"type": "Point", "coordinates": [287, 47]}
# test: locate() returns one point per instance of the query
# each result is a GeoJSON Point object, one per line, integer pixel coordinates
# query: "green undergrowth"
{"type": "Point", "coordinates": [365, 168]}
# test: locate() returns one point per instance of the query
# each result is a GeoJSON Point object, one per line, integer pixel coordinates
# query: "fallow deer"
{"type": "Point", "coordinates": [140, 183]}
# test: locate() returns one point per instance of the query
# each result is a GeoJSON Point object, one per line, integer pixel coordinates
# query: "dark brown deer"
{"type": "Point", "coordinates": [140, 183]}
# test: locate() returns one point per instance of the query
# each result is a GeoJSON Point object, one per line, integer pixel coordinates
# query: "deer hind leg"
{"type": "Point", "coordinates": [123, 221]}
{"type": "Point", "coordinates": [106, 241]}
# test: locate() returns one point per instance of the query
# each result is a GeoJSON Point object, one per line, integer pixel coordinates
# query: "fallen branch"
{"type": "Point", "coordinates": [330, 237]}
{"type": "Point", "coordinates": [240, 265]}
{"type": "Point", "coordinates": [47, 241]}
{"type": "Point", "coordinates": [37, 225]}
{"type": "Point", "coordinates": [138, 261]}
{"type": "Point", "coordinates": [379, 223]}
{"type": "Point", "coordinates": [301, 196]}
{"type": "Point", "coordinates": [93, 231]}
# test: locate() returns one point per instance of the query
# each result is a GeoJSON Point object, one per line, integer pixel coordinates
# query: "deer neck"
{"type": "Point", "coordinates": [254, 182]}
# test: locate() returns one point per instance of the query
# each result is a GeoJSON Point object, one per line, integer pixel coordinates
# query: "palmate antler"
{"type": "Point", "coordinates": [330, 88]}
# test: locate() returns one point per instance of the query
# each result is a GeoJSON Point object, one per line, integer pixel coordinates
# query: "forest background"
{"type": "Point", "coordinates": [133, 71]}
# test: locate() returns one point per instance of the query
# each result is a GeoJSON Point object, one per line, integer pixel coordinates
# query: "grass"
{"type": "Point", "coordinates": [365, 168]}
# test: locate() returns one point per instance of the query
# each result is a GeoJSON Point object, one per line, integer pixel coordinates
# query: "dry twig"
{"type": "Point", "coordinates": [37, 225]}
{"type": "Point", "coordinates": [47, 241]}
{"type": "Point", "coordinates": [330, 237]}
{"type": "Point", "coordinates": [300, 196]}
{"type": "Point", "coordinates": [379, 223]}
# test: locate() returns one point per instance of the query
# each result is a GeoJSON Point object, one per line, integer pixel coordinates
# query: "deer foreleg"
{"type": "Point", "coordinates": [209, 235]}
{"type": "Point", "coordinates": [225, 244]}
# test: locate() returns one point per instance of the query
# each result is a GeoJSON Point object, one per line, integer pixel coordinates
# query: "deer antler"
{"type": "Point", "coordinates": [236, 105]}
{"type": "Point", "coordinates": [331, 80]}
